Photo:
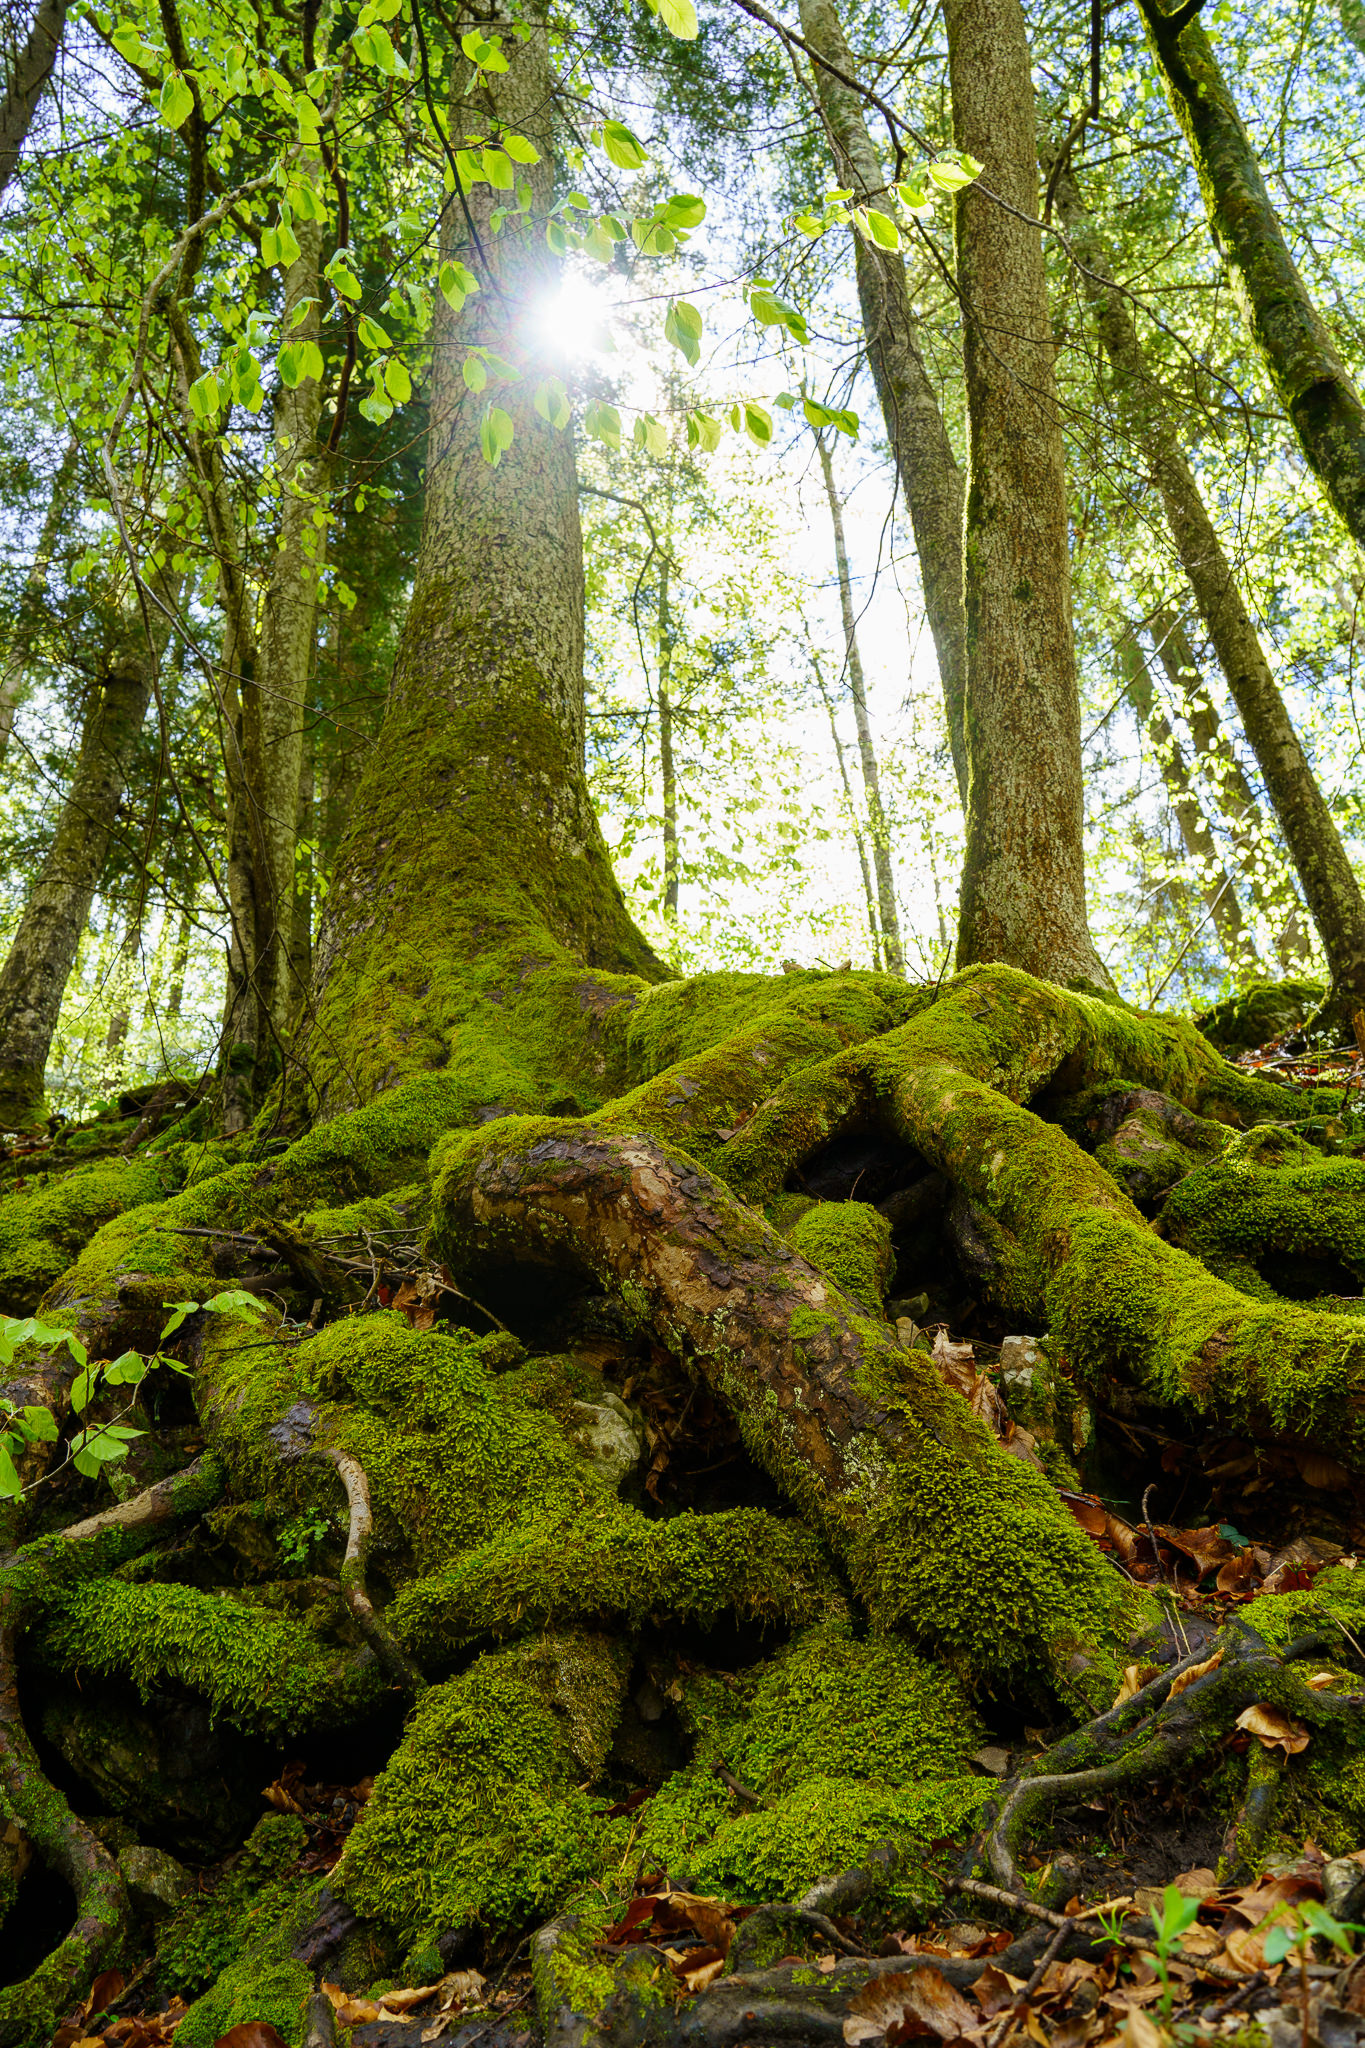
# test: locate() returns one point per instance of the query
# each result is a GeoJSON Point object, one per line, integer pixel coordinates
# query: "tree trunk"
{"type": "Point", "coordinates": [1023, 878]}
{"type": "Point", "coordinates": [1215, 884]}
{"type": "Point", "coordinates": [876, 816]}
{"type": "Point", "coordinates": [32, 69]}
{"type": "Point", "coordinates": [501, 865]}
{"type": "Point", "coordinates": [925, 462]}
{"type": "Point", "coordinates": [1305, 368]}
{"type": "Point", "coordinates": [869, 897]}
{"type": "Point", "coordinates": [1329, 884]}
{"type": "Point", "coordinates": [43, 951]}
{"type": "Point", "coordinates": [1233, 794]}
{"type": "Point", "coordinates": [18, 651]}
{"type": "Point", "coordinates": [667, 771]}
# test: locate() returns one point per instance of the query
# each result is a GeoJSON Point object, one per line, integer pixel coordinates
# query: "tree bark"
{"type": "Point", "coordinates": [1023, 878]}
{"type": "Point", "coordinates": [501, 865]}
{"type": "Point", "coordinates": [14, 673]}
{"type": "Point", "coordinates": [1214, 882]}
{"type": "Point", "coordinates": [1300, 356]}
{"type": "Point", "coordinates": [32, 69]}
{"type": "Point", "coordinates": [867, 751]}
{"type": "Point", "coordinates": [1329, 884]}
{"type": "Point", "coordinates": [667, 771]}
{"type": "Point", "coordinates": [925, 462]}
{"type": "Point", "coordinates": [43, 951]}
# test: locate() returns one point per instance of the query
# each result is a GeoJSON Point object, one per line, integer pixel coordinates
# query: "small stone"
{"type": "Point", "coordinates": [1018, 1357]}
{"type": "Point", "coordinates": [156, 1882]}
{"type": "Point", "coordinates": [994, 1761]}
{"type": "Point", "coordinates": [1343, 1887]}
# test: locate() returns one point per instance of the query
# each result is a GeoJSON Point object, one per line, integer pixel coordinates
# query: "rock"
{"type": "Point", "coordinates": [189, 1784]}
{"type": "Point", "coordinates": [1018, 1358]}
{"type": "Point", "coordinates": [156, 1881]}
{"type": "Point", "coordinates": [610, 1434]}
{"type": "Point", "coordinates": [1343, 1887]}
{"type": "Point", "coordinates": [996, 1762]}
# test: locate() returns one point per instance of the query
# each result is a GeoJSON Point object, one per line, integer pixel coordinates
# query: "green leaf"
{"type": "Point", "coordinates": [624, 147]}
{"type": "Point", "coordinates": [552, 402]}
{"type": "Point", "coordinates": [485, 51]}
{"type": "Point", "coordinates": [86, 1463]}
{"type": "Point", "coordinates": [497, 168]}
{"type": "Point", "coordinates": [177, 101]}
{"type": "Point", "coordinates": [679, 17]}
{"type": "Point", "coordinates": [683, 210]}
{"type": "Point", "coordinates": [881, 229]}
{"type": "Point", "coordinates": [288, 244]}
{"type": "Point", "coordinates": [10, 1487]}
{"type": "Point", "coordinates": [129, 44]}
{"type": "Point", "coordinates": [519, 149]}
{"type": "Point", "coordinates": [182, 1309]}
{"type": "Point", "coordinates": [270, 247]}
{"type": "Point", "coordinates": [496, 434]}
{"type": "Point", "coordinates": [475, 373]}
{"type": "Point", "coordinates": [1280, 1942]}
{"type": "Point", "coordinates": [307, 203]}
{"type": "Point", "coordinates": [127, 1370]}
{"type": "Point", "coordinates": [758, 423]}
{"type": "Point", "coordinates": [341, 277]}
{"type": "Point", "coordinates": [952, 174]}
{"type": "Point", "coordinates": [683, 327]}
{"type": "Point", "coordinates": [40, 1424]}
{"type": "Point", "coordinates": [456, 282]}
{"type": "Point", "coordinates": [603, 422]}
{"type": "Point", "coordinates": [83, 1388]}
{"type": "Point", "coordinates": [237, 1302]}
{"type": "Point", "coordinates": [371, 334]}
{"type": "Point", "coordinates": [204, 399]}
{"type": "Point", "coordinates": [914, 194]}
{"type": "Point", "coordinates": [651, 435]}
{"type": "Point", "coordinates": [397, 382]}
{"type": "Point", "coordinates": [704, 431]}
{"type": "Point", "coordinates": [770, 311]}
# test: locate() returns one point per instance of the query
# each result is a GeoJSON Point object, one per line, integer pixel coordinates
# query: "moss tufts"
{"type": "Point", "coordinates": [851, 1241]}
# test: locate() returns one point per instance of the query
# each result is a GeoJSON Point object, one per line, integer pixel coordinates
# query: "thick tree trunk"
{"type": "Point", "coordinates": [17, 641]}
{"type": "Point", "coordinates": [889, 915]}
{"type": "Point", "coordinates": [1214, 882]}
{"type": "Point", "coordinates": [913, 417]}
{"type": "Point", "coordinates": [32, 69]}
{"type": "Point", "coordinates": [1305, 368]}
{"type": "Point", "coordinates": [1023, 879]}
{"type": "Point", "coordinates": [43, 951]}
{"type": "Point", "coordinates": [501, 865]}
{"type": "Point", "coordinates": [1329, 884]}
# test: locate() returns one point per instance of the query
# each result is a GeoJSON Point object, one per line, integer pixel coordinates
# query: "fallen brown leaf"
{"type": "Point", "coordinates": [251, 2034]}
{"type": "Point", "coordinates": [1273, 1729]}
{"type": "Point", "coordinates": [922, 1995]}
{"type": "Point", "coordinates": [1183, 1679]}
{"type": "Point", "coordinates": [1135, 1676]}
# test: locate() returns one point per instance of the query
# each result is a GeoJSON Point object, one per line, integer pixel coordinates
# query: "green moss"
{"type": "Point", "coordinates": [275, 1992]}
{"type": "Point", "coordinates": [1271, 1196]}
{"type": "Point", "coordinates": [481, 1814]}
{"type": "Point", "coordinates": [42, 1229]}
{"type": "Point", "coordinates": [266, 1674]}
{"type": "Point", "coordinates": [214, 1929]}
{"type": "Point", "coordinates": [1260, 1011]}
{"type": "Point", "coordinates": [851, 1241]}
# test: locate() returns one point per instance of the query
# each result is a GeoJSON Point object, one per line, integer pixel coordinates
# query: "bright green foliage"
{"type": "Point", "coordinates": [212, 1930]}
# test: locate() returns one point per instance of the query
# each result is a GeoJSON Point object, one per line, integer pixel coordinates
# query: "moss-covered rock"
{"type": "Point", "coordinates": [1261, 1011]}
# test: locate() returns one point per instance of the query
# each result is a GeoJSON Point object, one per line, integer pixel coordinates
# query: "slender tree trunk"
{"type": "Point", "coordinates": [472, 837]}
{"type": "Point", "coordinates": [43, 951]}
{"type": "Point", "coordinates": [24, 88]}
{"type": "Point", "coordinates": [667, 771]}
{"type": "Point", "coordinates": [1310, 832]}
{"type": "Point", "coordinates": [852, 808]}
{"type": "Point", "coordinates": [180, 960]}
{"type": "Point", "coordinates": [1305, 368]}
{"type": "Point", "coordinates": [301, 930]}
{"type": "Point", "coordinates": [867, 751]}
{"type": "Point", "coordinates": [925, 463]}
{"type": "Point", "coordinates": [18, 641]}
{"type": "Point", "coordinates": [1023, 877]}
{"type": "Point", "coordinates": [1233, 794]}
{"type": "Point", "coordinates": [1215, 884]}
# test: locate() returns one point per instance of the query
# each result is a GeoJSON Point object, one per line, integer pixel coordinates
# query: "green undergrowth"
{"type": "Point", "coordinates": [214, 1929]}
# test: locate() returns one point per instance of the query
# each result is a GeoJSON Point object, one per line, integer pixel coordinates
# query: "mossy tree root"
{"type": "Point", "coordinates": [1065, 1247]}
{"type": "Point", "coordinates": [966, 1549]}
{"type": "Point", "coordinates": [1154, 1735]}
{"type": "Point", "coordinates": [399, 1666]}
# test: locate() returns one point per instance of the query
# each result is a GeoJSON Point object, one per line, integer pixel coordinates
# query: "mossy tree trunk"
{"type": "Point", "coordinates": [56, 911]}
{"type": "Point", "coordinates": [500, 869]}
{"type": "Point", "coordinates": [1023, 876]}
{"type": "Point", "coordinates": [1301, 358]}
{"type": "Point", "coordinates": [1310, 831]}
{"type": "Point", "coordinates": [911, 409]}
